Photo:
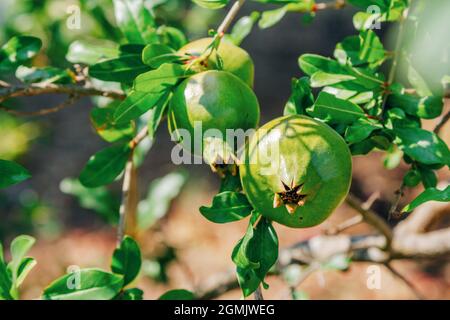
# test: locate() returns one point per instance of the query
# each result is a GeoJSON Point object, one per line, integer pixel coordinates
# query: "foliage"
{"type": "Point", "coordinates": [370, 109]}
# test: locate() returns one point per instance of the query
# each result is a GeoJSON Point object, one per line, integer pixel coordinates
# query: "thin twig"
{"type": "Point", "coordinates": [71, 100]}
{"type": "Point", "coordinates": [371, 217]}
{"type": "Point", "coordinates": [9, 91]}
{"type": "Point", "coordinates": [351, 222]}
{"type": "Point", "coordinates": [128, 206]}
{"type": "Point", "coordinates": [222, 29]}
{"type": "Point", "coordinates": [394, 207]}
{"type": "Point", "coordinates": [258, 294]}
{"type": "Point", "coordinates": [408, 283]}
{"type": "Point", "coordinates": [442, 123]}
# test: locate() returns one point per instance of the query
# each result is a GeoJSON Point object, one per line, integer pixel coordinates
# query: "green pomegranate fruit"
{"type": "Point", "coordinates": [296, 171]}
{"type": "Point", "coordinates": [216, 100]}
{"type": "Point", "coordinates": [235, 60]}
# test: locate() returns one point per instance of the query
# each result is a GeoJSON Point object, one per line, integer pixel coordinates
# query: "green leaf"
{"type": "Point", "coordinates": [104, 166]}
{"type": "Point", "coordinates": [364, 78]}
{"type": "Point", "coordinates": [160, 194]}
{"type": "Point", "coordinates": [423, 107]}
{"type": "Point", "coordinates": [242, 28]}
{"type": "Point", "coordinates": [301, 97]}
{"type": "Point", "coordinates": [165, 77]}
{"type": "Point", "coordinates": [157, 113]}
{"type": "Point", "coordinates": [334, 110]}
{"type": "Point", "coordinates": [19, 263]}
{"type": "Point", "coordinates": [135, 21]}
{"type": "Point", "coordinates": [5, 279]}
{"type": "Point", "coordinates": [12, 173]}
{"type": "Point", "coordinates": [321, 79]}
{"type": "Point", "coordinates": [89, 52]}
{"type": "Point", "coordinates": [211, 4]}
{"type": "Point", "coordinates": [121, 69]}
{"type": "Point", "coordinates": [136, 104]}
{"type": "Point", "coordinates": [423, 146]}
{"type": "Point", "coordinates": [131, 294]}
{"type": "Point", "coordinates": [25, 267]}
{"type": "Point", "coordinates": [45, 74]}
{"type": "Point", "coordinates": [156, 54]}
{"type": "Point", "coordinates": [17, 51]}
{"type": "Point", "coordinates": [255, 254]}
{"type": "Point", "coordinates": [177, 294]}
{"type": "Point", "coordinates": [100, 199]}
{"type": "Point", "coordinates": [361, 129]}
{"type": "Point", "coordinates": [365, 49]}
{"type": "Point", "coordinates": [271, 17]}
{"type": "Point", "coordinates": [430, 194]}
{"type": "Point", "coordinates": [85, 284]}
{"type": "Point", "coordinates": [428, 177]}
{"type": "Point", "coordinates": [102, 120]}
{"type": "Point", "coordinates": [127, 260]}
{"type": "Point", "coordinates": [226, 207]}
{"type": "Point", "coordinates": [230, 182]}
{"type": "Point", "coordinates": [412, 178]}
{"type": "Point", "coordinates": [171, 37]}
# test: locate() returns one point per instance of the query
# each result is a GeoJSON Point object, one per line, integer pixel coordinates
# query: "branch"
{"type": "Point", "coordinates": [408, 283]}
{"type": "Point", "coordinates": [442, 123]}
{"type": "Point", "coordinates": [7, 92]}
{"type": "Point", "coordinates": [410, 241]}
{"type": "Point", "coordinates": [230, 17]}
{"type": "Point", "coordinates": [71, 100]}
{"type": "Point", "coordinates": [370, 217]}
{"type": "Point", "coordinates": [128, 207]}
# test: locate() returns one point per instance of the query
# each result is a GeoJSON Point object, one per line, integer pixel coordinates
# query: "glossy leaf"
{"type": "Point", "coordinates": [156, 114]}
{"type": "Point", "coordinates": [211, 4]}
{"type": "Point", "coordinates": [45, 74]}
{"type": "Point", "coordinates": [85, 284]}
{"type": "Point", "coordinates": [103, 167]}
{"type": "Point", "coordinates": [17, 51]}
{"type": "Point", "coordinates": [160, 79]}
{"type": "Point", "coordinates": [255, 254]}
{"type": "Point", "coordinates": [127, 260]}
{"type": "Point", "coordinates": [177, 294]}
{"type": "Point", "coordinates": [271, 17]}
{"type": "Point", "coordinates": [226, 207]}
{"type": "Point", "coordinates": [131, 294]}
{"type": "Point", "coordinates": [89, 53]}
{"type": "Point", "coordinates": [430, 194]}
{"type": "Point", "coordinates": [423, 146]}
{"type": "Point", "coordinates": [242, 28]}
{"type": "Point", "coordinates": [135, 21]}
{"type": "Point", "coordinates": [301, 97]}
{"type": "Point", "coordinates": [12, 173]}
{"type": "Point", "coordinates": [136, 104]}
{"type": "Point", "coordinates": [423, 107]}
{"type": "Point", "coordinates": [361, 129]}
{"type": "Point", "coordinates": [364, 49]}
{"type": "Point", "coordinates": [124, 68]}
{"type": "Point", "coordinates": [156, 54]}
{"type": "Point", "coordinates": [102, 120]}
{"type": "Point", "coordinates": [5, 279]}
{"type": "Point", "coordinates": [334, 110]}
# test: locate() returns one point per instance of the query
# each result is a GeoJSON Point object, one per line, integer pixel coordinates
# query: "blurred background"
{"type": "Point", "coordinates": [75, 226]}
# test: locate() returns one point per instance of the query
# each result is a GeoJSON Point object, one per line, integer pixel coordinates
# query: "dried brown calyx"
{"type": "Point", "coordinates": [292, 197]}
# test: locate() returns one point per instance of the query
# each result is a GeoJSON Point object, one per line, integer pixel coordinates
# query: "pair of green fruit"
{"type": "Point", "coordinates": [295, 170]}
